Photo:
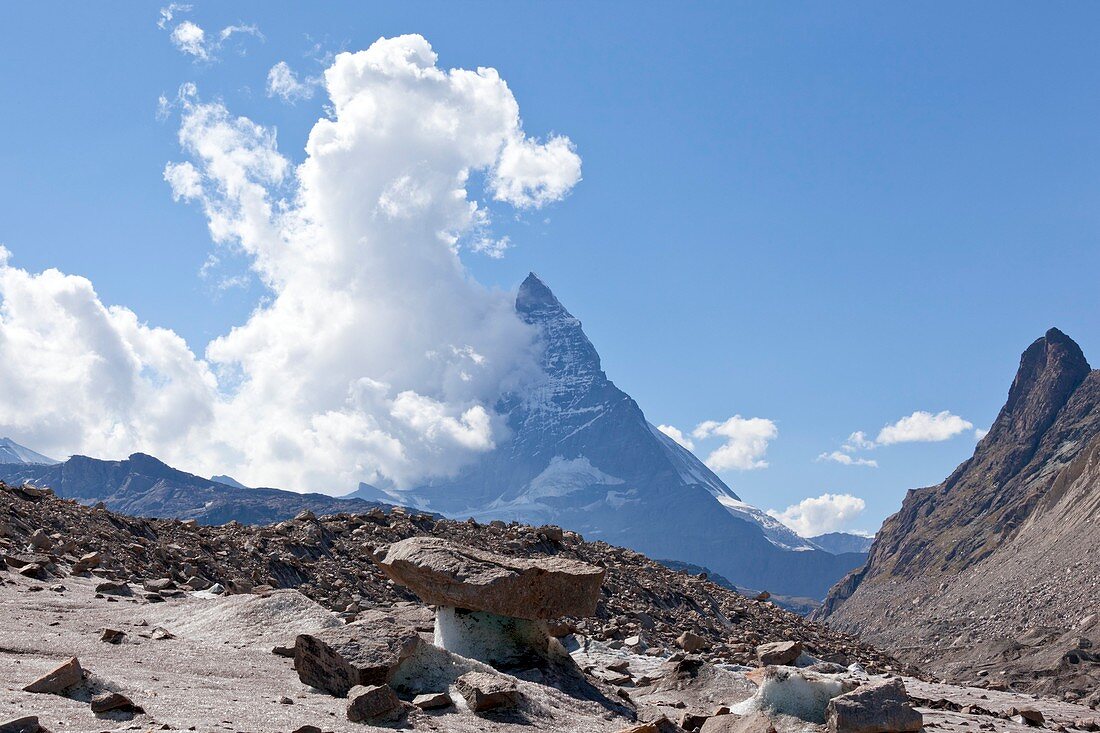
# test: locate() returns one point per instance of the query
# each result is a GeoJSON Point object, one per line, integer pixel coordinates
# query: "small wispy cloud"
{"type": "Point", "coordinates": [191, 39]}
{"type": "Point", "coordinates": [846, 459]}
{"type": "Point", "coordinates": [282, 82]}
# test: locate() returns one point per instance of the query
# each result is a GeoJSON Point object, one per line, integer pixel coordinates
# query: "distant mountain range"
{"type": "Point", "coordinates": [997, 567]}
{"type": "Point", "coordinates": [583, 455]}
{"type": "Point", "coordinates": [144, 486]}
{"type": "Point", "coordinates": [840, 542]}
{"type": "Point", "coordinates": [12, 452]}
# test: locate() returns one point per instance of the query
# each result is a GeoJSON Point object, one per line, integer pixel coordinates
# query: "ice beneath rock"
{"type": "Point", "coordinates": [788, 691]}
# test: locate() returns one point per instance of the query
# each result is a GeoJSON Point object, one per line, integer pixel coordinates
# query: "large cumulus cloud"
{"type": "Point", "coordinates": [375, 356]}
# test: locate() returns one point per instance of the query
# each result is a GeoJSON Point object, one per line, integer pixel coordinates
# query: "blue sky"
{"type": "Point", "coordinates": [828, 216]}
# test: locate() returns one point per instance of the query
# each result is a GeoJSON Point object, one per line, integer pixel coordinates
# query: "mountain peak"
{"type": "Point", "coordinates": [534, 297]}
{"type": "Point", "coordinates": [1050, 369]}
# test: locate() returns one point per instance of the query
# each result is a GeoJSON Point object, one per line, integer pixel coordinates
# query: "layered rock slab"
{"type": "Point", "coordinates": [443, 573]}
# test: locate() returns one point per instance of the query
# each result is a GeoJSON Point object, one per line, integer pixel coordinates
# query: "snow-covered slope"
{"type": "Point", "coordinates": [583, 455]}
{"type": "Point", "coordinates": [12, 452]}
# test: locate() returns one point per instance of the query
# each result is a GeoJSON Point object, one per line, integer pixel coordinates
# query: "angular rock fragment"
{"type": "Point", "coordinates": [337, 659]}
{"type": "Point", "coordinates": [433, 701]}
{"type": "Point", "coordinates": [690, 642]}
{"type": "Point", "coordinates": [28, 724]}
{"type": "Point", "coordinates": [374, 704]}
{"type": "Point", "coordinates": [881, 707]}
{"type": "Point", "coordinates": [87, 562]}
{"type": "Point", "coordinates": [111, 588]}
{"type": "Point", "coordinates": [112, 636]}
{"type": "Point", "coordinates": [113, 701]}
{"type": "Point", "coordinates": [443, 573]}
{"type": "Point", "coordinates": [778, 652]}
{"type": "Point", "coordinates": [483, 691]}
{"type": "Point", "coordinates": [57, 681]}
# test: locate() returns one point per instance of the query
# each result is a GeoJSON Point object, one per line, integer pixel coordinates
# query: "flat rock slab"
{"type": "Point", "coordinates": [444, 573]}
{"type": "Point", "coordinates": [374, 704]}
{"type": "Point", "coordinates": [367, 654]}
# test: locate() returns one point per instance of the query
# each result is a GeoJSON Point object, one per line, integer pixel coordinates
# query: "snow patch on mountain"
{"type": "Point", "coordinates": [12, 452]}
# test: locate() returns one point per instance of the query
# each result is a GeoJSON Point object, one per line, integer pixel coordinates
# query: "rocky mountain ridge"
{"type": "Point", "coordinates": [998, 567]}
{"type": "Point", "coordinates": [142, 485]}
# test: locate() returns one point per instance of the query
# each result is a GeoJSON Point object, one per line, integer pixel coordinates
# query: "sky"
{"type": "Point", "coordinates": [813, 239]}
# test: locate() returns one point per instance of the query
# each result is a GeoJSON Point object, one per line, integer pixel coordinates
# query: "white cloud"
{"type": "Point", "coordinates": [923, 427]}
{"type": "Point", "coordinates": [846, 459]}
{"type": "Point", "coordinates": [920, 427]}
{"type": "Point", "coordinates": [677, 435]}
{"type": "Point", "coordinates": [81, 377]}
{"type": "Point", "coordinates": [169, 12]}
{"type": "Point", "coordinates": [375, 355]}
{"type": "Point", "coordinates": [746, 442]}
{"type": "Point", "coordinates": [817, 515]}
{"type": "Point", "coordinates": [980, 433]}
{"type": "Point", "coordinates": [531, 174]}
{"type": "Point", "coordinates": [857, 441]}
{"type": "Point", "coordinates": [190, 38]}
{"type": "Point", "coordinates": [283, 82]}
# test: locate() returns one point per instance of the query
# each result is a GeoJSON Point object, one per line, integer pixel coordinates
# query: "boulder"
{"type": "Point", "coordinates": [87, 562]}
{"type": "Point", "coordinates": [433, 701]}
{"type": "Point", "coordinates": [483, 691]}
{"type": "Point", "coordinates": [40, 540]}
{"type": "Point", "coordinates": [690, 642]}
{"type": "Point", "coordinates": [27, 724]}
{"type": "Point", "coordinates": [112, 636]}
{"type": "Point", "coordinates": [108, 701]}
{"type": "Point", "coordinates": [881, 707]}
{"type": "Point", "coordinates": [444, 573]}
{"type": "Point", "coordinates": [338, 659]}
{"type": "Point", "coordinates": [112, 588]}
{"type": "Point", "coordinates": [641, 728]}
{"type": "Point", "coordinates": [374, 704]}
{"type": "Point", "coordinates": [67, 675]}
{"type": "Point", "coordinates": [778, 652]}
{"type": "Point", "coordinates": [753, 723]}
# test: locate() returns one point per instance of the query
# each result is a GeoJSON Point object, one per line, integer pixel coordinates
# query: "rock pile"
{"type": "Point", "coordinates": [640, 601]}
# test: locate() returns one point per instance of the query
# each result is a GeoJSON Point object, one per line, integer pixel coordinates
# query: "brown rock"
{"type": "Point", "coordinates": [307, 729]}
{"type": "Point", "coordinates": [433, 701]}
{"type": "Point", "coordinates": [641, 728]}
{"type": "Point", "coordinates": [483, 691]}
{"type": "Point", "coordinates": [881, 707]}
{"type": "Point", "coordinates": [111, 588]}
{"type": "Point", "coordinates": [112, 636]}
{"type": "Point", "coordinates": [335, 660]}
{"type": "Point", "coordinates": [67, 675]}
{"type": "Point", "coordinates": [87, 562]}
{"type": "Point", "coordinates": [28, 724]}
{"type": "Point", "coordinates": [778, 652]}
{"type": "Point", "coordinates": [107, 701]}
{"type": "Point", "coordinates": [690, 642]}
{"type": "Point", "coordinates": [373, 704]}
{"type": "Point", "coordinates": [444, 573]}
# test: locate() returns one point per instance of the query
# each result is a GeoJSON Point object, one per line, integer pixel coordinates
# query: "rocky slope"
{"type": "Point", "coordinates": [329, 560]}
{"type": "Point", "coordinates": [141, 485]}
{"type": "Point", "coordinates": [583, 455]}
{"type": "Point", "coordinates": [129, 645]}
{"type": "Point", "coordinates": [995, 573]}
